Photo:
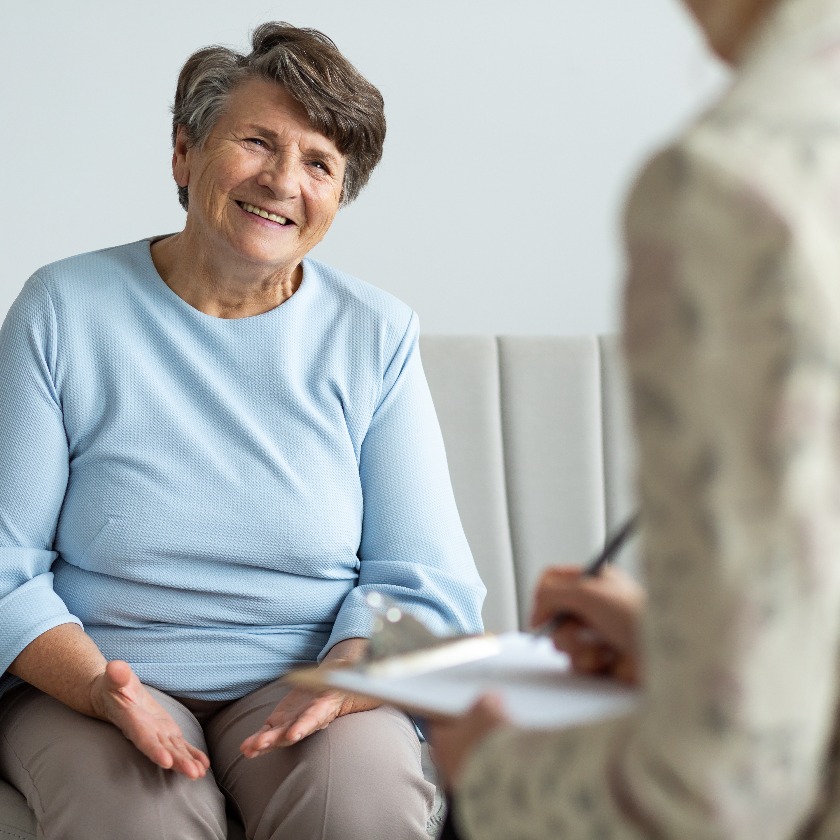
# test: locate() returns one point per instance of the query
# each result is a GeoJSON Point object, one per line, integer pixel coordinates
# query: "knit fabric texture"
{"type": "Point", "coordinates": [212, 499]}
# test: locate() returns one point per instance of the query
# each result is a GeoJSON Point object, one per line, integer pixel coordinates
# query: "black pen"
{"type": "Point", "coordinates": [610, 549]}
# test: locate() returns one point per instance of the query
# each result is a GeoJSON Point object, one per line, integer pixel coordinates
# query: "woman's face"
{"type": "Point", "coordinates": [262, 158]}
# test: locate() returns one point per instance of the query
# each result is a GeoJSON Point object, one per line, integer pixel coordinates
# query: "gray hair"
{"type": "Point", "coordinates": [337, 99]}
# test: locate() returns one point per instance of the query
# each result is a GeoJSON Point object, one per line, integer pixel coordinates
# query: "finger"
{"type": "Point", "coordinates": [265, 743]}
{"type": "Point", "coordinates": [312, 720]}
{"type": "Point", "coordinates": [490, 709]}
{"type": "Point", "coordinates": [268, 738]}
{"type": "Point", "coordinates": [183, 754]}
{"type": "Point", "coordinates": [120, 682]}
{"type": "Point", "coordinates": [557, 573]}
{"type": "Point", "coordinates": [597, 603]}
{"type": "Point", "coordinates": [187, 767]}
{"type": "Point", "coordinates": [168, 758]}
{"type": "Point", "coordinates": [567, 635]}
{"type": "Point", "coordinates": [261, 741]}
{"type": "Point", "coordinates": [199, 756]}
{"type": "Point", "coordinates": [168, 748]}
{"type": "Point", "coordinates": [149, 743]}
{"type": "Point", "coordinates": [160, 755]}
{"type": "Point", "coordinates": [119, 673]}
{"type": "Point", "coordinates": [298, 715]}
{"type": "Point", "coordinates": [626, 670]}
{"type": "Point", "coordinates": [556, 596]}
{"type": "Point", "coordinates": [318, 714]}
{"type": "Point", "coordinates": [174, 753]}
{"type": "Point", "coordinates": [594, 659]}
{"type": "Point", "coordinates": [192, 754]}
{"type": "Point", "coordinates": [291, 707]}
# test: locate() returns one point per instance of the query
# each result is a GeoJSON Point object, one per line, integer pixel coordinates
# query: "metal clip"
{"type": "Point", "coordinates": [395, 631]}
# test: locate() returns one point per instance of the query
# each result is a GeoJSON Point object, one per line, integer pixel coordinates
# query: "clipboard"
{"type": "Point", "coordinates": [533, 679]}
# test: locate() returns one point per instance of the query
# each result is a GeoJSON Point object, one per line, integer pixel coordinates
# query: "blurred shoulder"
{"type": "Point", "coordinates": [773, 133]}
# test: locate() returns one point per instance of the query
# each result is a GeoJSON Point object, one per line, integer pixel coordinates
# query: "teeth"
{"type": "Point", "coordinates": [258, 211]}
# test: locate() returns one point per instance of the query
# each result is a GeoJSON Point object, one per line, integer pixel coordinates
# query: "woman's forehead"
{"type": "Point", "coordinates": [266, 105]}
{"type": "Point", "coordinates": [262, 99]}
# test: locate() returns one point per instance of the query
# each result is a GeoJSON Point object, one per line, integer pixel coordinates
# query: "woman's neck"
{"type": "Point", "coordinates": [222, 294]}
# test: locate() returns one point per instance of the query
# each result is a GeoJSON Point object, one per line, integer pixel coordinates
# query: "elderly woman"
{"type": "Point", "coordinates": [213, 448]}
{"type": "Point", "coordinates": [732, 339]}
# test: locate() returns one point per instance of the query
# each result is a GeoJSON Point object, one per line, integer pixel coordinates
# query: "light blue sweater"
{"type": "Point", "coordinates": [212, 498]}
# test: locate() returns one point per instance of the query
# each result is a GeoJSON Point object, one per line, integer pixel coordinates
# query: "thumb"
{"type": "Point", "coordinates": [118, 673]}
{"type": "Point", "coordinates": [490, 707]}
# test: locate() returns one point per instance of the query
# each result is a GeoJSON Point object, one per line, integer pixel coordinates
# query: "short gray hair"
{"type": "Point", "coordinates": [337, 99]}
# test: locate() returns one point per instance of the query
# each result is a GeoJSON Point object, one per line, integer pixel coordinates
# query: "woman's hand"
{"type": "Point", "coordinates": [119, 697]}
{"type": "Point", "coordinates": [453, 741]}
{"type": "Point", "coordinates": [302, 712]}
{"type": "Point", "coordinates": [601, 636]}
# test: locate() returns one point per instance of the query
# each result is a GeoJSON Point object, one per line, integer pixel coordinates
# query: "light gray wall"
{"type": "Point", "coordinates": [514, 130]}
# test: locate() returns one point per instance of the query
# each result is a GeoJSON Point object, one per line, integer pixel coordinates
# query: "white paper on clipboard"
{"type": "Point", "coordinates": [532, 678]}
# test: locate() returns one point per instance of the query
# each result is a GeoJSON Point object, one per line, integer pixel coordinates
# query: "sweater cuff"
{"type": "Point", "coordinates": [27, 612]}
{"type": "Point", "coordinates": [354, 621]}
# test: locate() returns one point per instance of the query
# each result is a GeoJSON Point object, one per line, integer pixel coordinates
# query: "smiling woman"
{"type": "Point", "coordinates": [262, 191]}
{"type": "Point", "coordinates": [214, 448]}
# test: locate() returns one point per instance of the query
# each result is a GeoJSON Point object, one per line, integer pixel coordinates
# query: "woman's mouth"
{"type": "Point", "coordinates": [258, 211]}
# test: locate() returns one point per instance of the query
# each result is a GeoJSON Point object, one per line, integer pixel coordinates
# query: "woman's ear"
{"type": "Point", "coordinates": [180, 158]}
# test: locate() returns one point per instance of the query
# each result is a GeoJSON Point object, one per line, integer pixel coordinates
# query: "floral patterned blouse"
{"type": "Point", "coordinates": [732, 342]}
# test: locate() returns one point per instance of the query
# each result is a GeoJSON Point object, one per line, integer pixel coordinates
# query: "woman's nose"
{"type": "Point", "coordinates": [281, 176]}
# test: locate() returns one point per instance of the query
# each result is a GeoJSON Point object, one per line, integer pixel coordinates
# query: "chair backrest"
{"type": "Point", "coordinates": [539, 449]}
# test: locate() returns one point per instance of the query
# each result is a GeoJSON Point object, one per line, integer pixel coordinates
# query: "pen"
{"type": "Point", "coordinates": [610, 549]}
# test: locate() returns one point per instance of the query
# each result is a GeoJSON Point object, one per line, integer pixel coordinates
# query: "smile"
{"type": "Point", "coordinates": [258, 211]}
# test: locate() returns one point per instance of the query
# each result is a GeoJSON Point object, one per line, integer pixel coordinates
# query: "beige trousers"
{"type": "Point", "coordinates": [358, 779]}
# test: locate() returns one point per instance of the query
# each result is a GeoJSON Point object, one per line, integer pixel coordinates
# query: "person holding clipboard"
{"type": "Point", "coordinates": [731, 335]}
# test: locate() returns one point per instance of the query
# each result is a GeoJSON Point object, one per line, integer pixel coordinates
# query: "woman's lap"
{"type": "Point", "coordinates": [84, 779]}
{"type": "Point", "coordinates": [359, 778]}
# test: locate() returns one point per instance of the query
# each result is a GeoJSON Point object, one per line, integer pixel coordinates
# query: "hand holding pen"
{"type": "Point", "coordinates": [593, 614]}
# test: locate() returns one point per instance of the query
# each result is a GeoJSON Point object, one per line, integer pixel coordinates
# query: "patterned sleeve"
{"type": "Point", "coordinates": [732, 337]}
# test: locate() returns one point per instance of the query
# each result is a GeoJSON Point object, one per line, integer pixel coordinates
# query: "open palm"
{"type": "Point", "coordinates": [124, 701]}
{"type": "Point", "coordinates": [300, 713]}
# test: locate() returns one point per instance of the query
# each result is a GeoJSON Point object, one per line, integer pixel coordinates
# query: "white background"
{"type": "Point", "coordinates": [514, 130]}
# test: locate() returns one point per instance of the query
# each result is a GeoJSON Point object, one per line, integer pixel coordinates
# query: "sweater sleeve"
{"type": "Point", "coordinates": [33, 473]}
{"type": "Point", "coordinates": [413, 546]}
{"type": "Point", "coordinates": [732, 337]}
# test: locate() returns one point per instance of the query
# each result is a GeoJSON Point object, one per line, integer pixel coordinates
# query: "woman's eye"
{"type": "Point", "coordinates": [255, 141]}
{"type": "Point", "coordinates": [319, 164]}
